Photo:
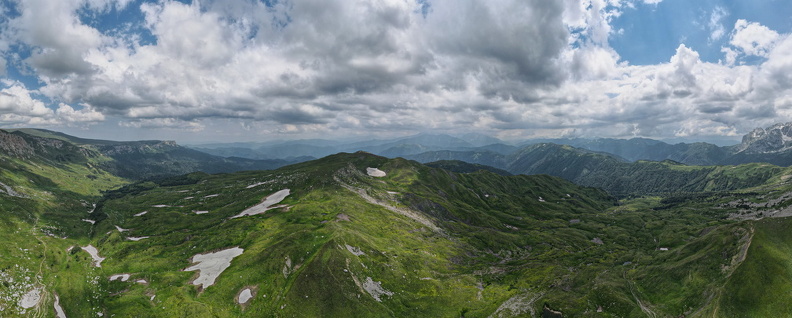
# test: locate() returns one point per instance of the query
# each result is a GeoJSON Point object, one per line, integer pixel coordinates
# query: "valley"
{"type": "Point", "coordinates": [357, 234]}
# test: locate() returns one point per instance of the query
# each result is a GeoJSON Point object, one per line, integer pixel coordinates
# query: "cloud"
{"type": "Point", "coordinates": [753, 39]}
{"type": "Point", "coordinates": [775, 75]}
{"type": "Point", "coordinates": [715, 23]}
{"type": "Point", "coordinates": [205, 64]}
{"type": "Point", "coordinates": [512, 67]}
{"type": "Point", "coordinates": [86, 114]}
{"type": "Point", "coordinates": [166, 123]}
{"type": "Point", "coordinates": [56, 35]}
{"type": "Point", "coordinates": [19, 106]}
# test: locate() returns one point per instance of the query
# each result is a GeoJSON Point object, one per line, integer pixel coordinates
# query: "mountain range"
{"type": "Point", "coordinates": [146, 229]}
{"type": "Point", "coordinates": [771, 145]}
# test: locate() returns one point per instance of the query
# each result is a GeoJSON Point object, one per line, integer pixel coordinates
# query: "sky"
{"type": "Point", "coordinates": [255, 70]}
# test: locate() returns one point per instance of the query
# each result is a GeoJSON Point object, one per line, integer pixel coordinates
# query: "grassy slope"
{"type": "Point", "coordinates": [40, 226]}
{"type": "Point", "coordinates": [38, 230]}
{"type": "Point", "coordinates": [526, 241]}
{"type": "Point", "coordinates": [500, 243]}
{"type": "Point", "coordinates": [761, 286]}
{"type": "Point", "coordinates": [410, 260]}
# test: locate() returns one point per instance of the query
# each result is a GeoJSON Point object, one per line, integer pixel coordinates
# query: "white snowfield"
{"type": "Point", "coordinates": [94, 254]}
{"type": "Point", "coordinates": [267, 204]}
{"type": "Point", "coordinates": [211, 265]}
{"type": "Point", "coordinates": [141, 213]}
{"type": "Point", "coordinates": [245, 296]}
{"type": "Point", "coordinates": [137, 238]}
{"type": "Point", "coordinates": [374, 172]}
{"type": "Point", "coordinates": [58, 309]}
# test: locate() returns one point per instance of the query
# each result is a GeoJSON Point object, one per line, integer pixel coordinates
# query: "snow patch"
{"type": "Point", "coordinates": [89, 221]}
{"type": "Point", "coordinates": [257, 184]}
{"type": "Point", "coordinates": [121, 229]}
{"type": "Point", "coordinates": [211, 196]}
{"type": "Point", "coordinates": [58, 309]}
{"type": "Point", "coordinates": [160, 206]}
{"type": "Point", "coordinates": [374, 172]}
{"type": "Point", "coordinates": [30, 299]}
{"type": "Point", "coordinates": [541, 199]}
{"type": "Point", "coordinates": [266, 205]}
{"type": "Point", "coordinates": [94, 254]}
{"type": "Point", "coordinates": [245, 296]}
{"type": "Point", "coordinates": [141, 213]}
{"type": "Point", "coordinates": [137, 238]}
{"type": "Point", "coordinates": [200, 212]}
{"type": "Point", "coordinates": [121, 277]}
{"type": "Point", "coordinates": [211, 265]}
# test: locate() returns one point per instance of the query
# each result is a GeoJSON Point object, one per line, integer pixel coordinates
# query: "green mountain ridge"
{"type": "Point", "coordinates": [131, 159]}
{"type": "Point", "coordinates": [464, 167]}
{"type": "Point", "coordinates": [616, 175]}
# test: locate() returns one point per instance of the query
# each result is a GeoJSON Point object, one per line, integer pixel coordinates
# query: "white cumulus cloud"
{"type": "Point", "coordinates": [752, 38]}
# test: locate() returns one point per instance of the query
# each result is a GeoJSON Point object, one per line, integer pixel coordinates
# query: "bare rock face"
{"type": "Point", "coordinates": [15, 145]}
{"type": "Point", "coordinates": [775, 138]}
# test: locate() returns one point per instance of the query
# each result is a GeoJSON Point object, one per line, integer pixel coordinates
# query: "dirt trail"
{"type": "Point", "coordinates": [38, 310]}
{"type": "Point", "coordinates": [645, 308]}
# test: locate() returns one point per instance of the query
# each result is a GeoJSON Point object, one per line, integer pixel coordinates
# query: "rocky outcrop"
{"type": "Point", "coordinates": [776, 138]}
{"type": "Point", "coordinates": [15, 145]}
{"type": "Point", "coordinates": [21, 145]}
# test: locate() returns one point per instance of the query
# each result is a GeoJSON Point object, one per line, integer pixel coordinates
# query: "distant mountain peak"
{"type": "Point", "coordinates": [772, 139]}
